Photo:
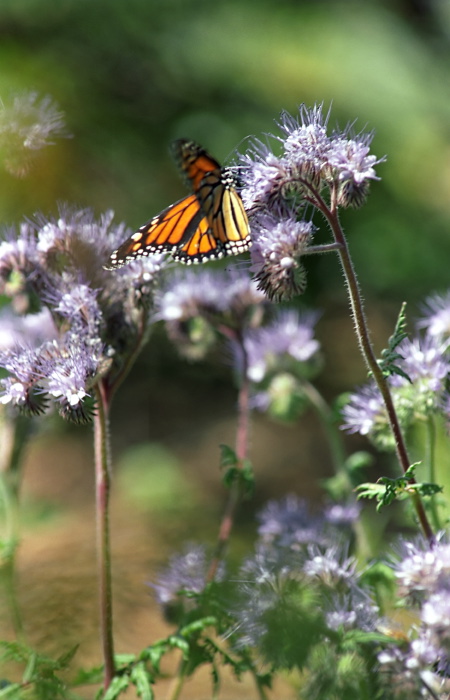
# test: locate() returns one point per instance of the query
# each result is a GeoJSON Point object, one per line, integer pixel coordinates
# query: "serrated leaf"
{"type": "Point", "coordinates": [92, 675]}
{"type": "Point", "coordinates": [177, 642]}
{"type": "Point", "coordinates": [228, 456]}
{"type": "Point", "coordinates": [64, 660]}
{"type": "Point", "coordinates": [369, 490]}
{"type": "Point", "coordinates": [389, 357]}
{"type": "Point", "coordinates": [198, 626]}
{"type": "Point", "coordinates": [426, 488]}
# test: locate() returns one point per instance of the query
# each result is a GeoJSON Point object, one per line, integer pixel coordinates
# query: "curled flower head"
{"type": "Point", "coordinates": [278, 244]}
{"type": "Point", "coordinates": [23, 388]}
{"type": "Point", "coordinates": [265, 178]}
{"type": "Point", "coordinates": [306, 143]}
{"type": "Point", "coordinates": [311, 159]}
{"type": "Point", "coordinates": [192, 293]}
{"type": "Point", "coordinates": [99, 318]}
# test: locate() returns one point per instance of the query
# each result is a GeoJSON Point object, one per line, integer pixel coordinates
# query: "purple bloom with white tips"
{"type": "Point", "coordinates": [364, 409]}
{"type": "Point", "coordinates": [289, 336]}
{"type": "Point", "coordinates": [315, 170]}
{"type": "Point", "coordinates": [427, 364]}
{"type": "Point", "coordinates": [278, 244]}
{"type": "Point", "coordinates": [97, 318]}
{"type": "Point", "coordinates": [436, 316]}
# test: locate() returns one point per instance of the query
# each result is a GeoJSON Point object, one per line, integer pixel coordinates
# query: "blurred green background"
{"type": "Point", "coordinates": [132, 76]}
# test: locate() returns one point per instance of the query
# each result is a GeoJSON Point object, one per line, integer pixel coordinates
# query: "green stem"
{"type": "Point", "coordinates": [14, 438]}
{"type": "Point", "coordinates": [103, 486]}
{"type": "Point", "coordinates": [328, 422]}
{"type": "Point", "coordinates": [368, 353]}
{"type": "Point", "coordinates": [176, 686]}
{"type": "Point", "coordinates": [430, 461]}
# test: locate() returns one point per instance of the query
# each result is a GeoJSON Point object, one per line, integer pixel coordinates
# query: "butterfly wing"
{"type": "Point", "coordinates": [194, 162]}
{"type": "Point", "coordinates": [209, 224]}
{"type": "Point", "coordinates": [225, 212]}
{"type": "Point", "coordinates": [163, 233]}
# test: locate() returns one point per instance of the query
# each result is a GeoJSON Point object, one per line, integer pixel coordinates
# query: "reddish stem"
{"type": "Point", "coordinates": [235, 493]}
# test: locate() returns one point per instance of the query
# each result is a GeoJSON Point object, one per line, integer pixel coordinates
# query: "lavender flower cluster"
{"type": "Point", "coordinates": [302, 591]}
{"type": "Point", "coordinates": [420, 391]}
{"type": "Point", "coordinates": [275, 350]}
{"type": "Point", "coordinates": [71, 323]}
{"type": "Point", "coordinates": [281, 190]}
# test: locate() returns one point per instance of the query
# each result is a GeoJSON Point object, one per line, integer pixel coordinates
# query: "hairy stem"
{"type": "Point", "coordinates": [103, 486]}
{"type": "Point", "coordinates": [368, 353]}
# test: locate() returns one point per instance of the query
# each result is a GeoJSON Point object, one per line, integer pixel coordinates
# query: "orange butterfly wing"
{"type": "Point", "coordinates": [208, 224]}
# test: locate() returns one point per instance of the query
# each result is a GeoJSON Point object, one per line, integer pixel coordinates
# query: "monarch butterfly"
{"type": "Point", "coordinates": [208, 224]}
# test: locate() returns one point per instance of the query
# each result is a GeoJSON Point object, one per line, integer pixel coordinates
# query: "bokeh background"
{"type": "Point", "coordinates": [130, 77]}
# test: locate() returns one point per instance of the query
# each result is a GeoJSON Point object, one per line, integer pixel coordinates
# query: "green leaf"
{"type": "Point", "coordinates": [389, 357]}
{"type": "Point", "coordinates": [117, 686]}
{"type": "Point", "coordinates": [387, 490]}
{"type": "Point", "coordinates": [228, 457]}
{"type": "Point", "coordinates": [198, 626]}
{"type": "Point", "coordinates": [12, 691]}
{"type": "Point", "coordinates": [140, 678]}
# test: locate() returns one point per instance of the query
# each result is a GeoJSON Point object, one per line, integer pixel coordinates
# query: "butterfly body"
{"type": "Point", "coordinates": [208, 224]}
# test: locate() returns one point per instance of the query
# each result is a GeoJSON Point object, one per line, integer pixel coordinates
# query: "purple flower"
{"type": "Point", "coordinates": [436, 316]}
{"type": "Point", "coordinates": [265, 178]}
{"type": "Point", "coordinates": [191, 293]}
{"type": "Point", "coordinates": [311, 160]}
{"type": "Point", "coordinates": [343, 514]}
{"type": "Point", "coordinates": [182, 580]}
{"type": "Point", "coordinates": [332, 566]}
{"type": "Point", "coordinates": [195, 304]}
{"type": "Point", "coordinates": [354, 610]}
{"type": "Point", "coordinates": [364, 410]}
{"type": "Point", "coordinates": [427, 364]}
{"type": "Point", "coordinates": [185, 572]}
{"type": "Point", "coordinates": [423, 571]}
{"type": "Point", "coordinates": [99, 318]}
{"type": "Point", "coordinates": [29, 329]}
{"type": "Point", "coordinates": [278, 244]}
{"type": "Point", "coordinates": [28, 124]}
{"type": "Point", "coordinates": [289, 523]}
{"type": "Point", "coordinates": [272, 348]}
{"type": "Point", "coordinates": [306, 143]}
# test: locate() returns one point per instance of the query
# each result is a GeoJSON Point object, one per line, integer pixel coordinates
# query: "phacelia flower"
{"type": "Point", "coordinates": [278, 244]}
{"type": "Point", "coordinates": [27, 124]}
{"type": "Point", "coordinates": [436, 316]}
{"type": "Point", "coordinates": [99, 318]}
